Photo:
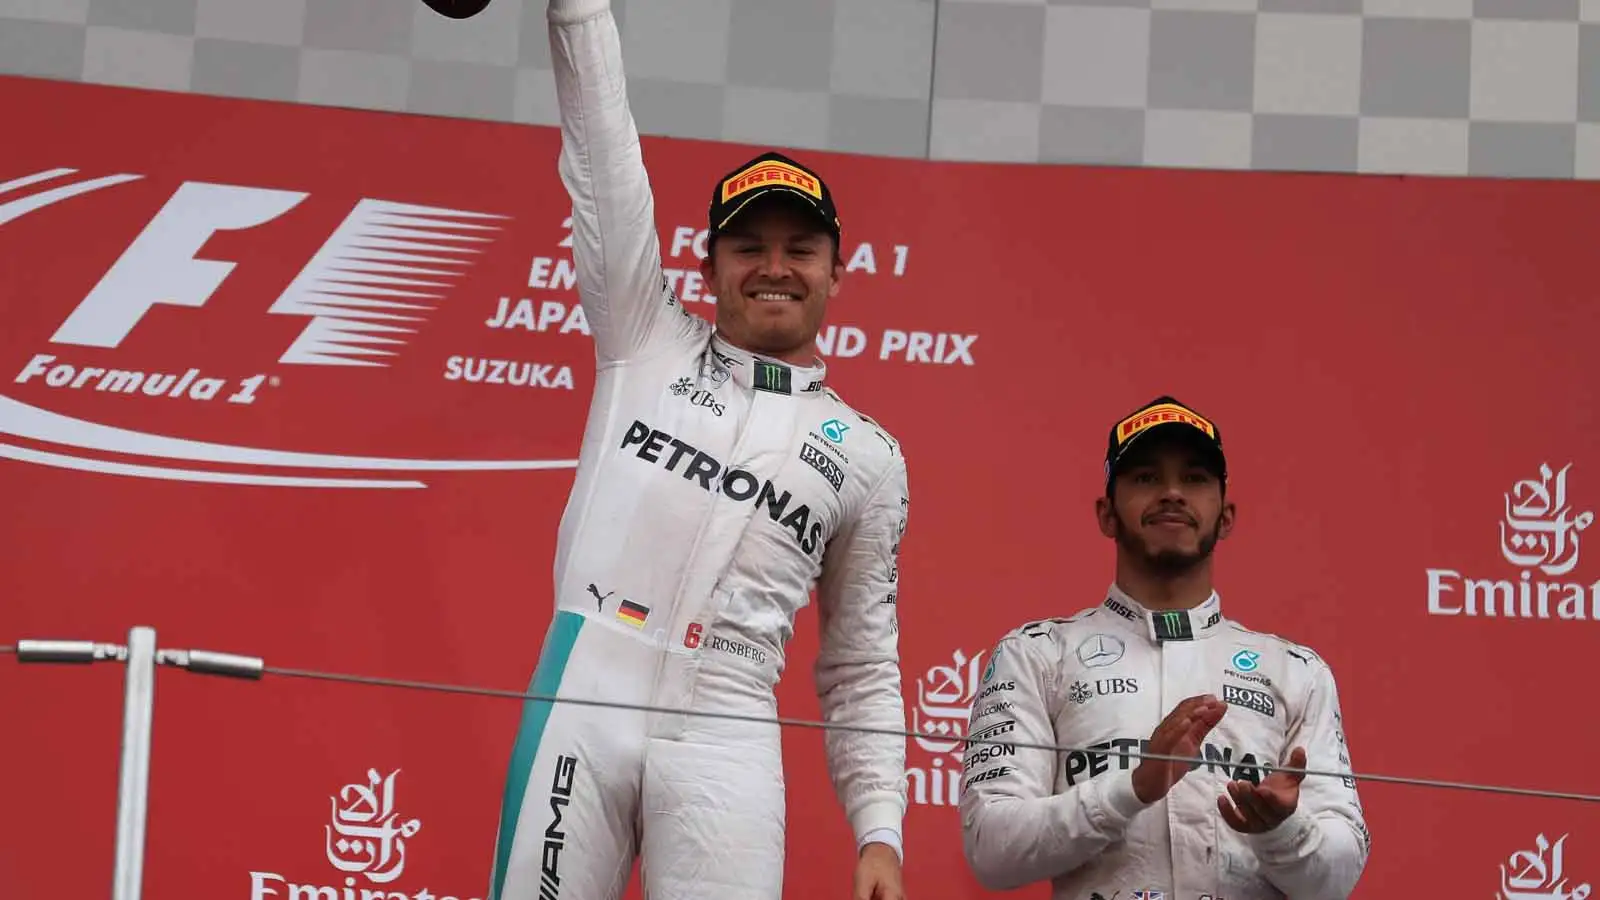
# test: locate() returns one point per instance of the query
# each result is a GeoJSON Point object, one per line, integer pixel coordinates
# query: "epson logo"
{"type": "Point", "coordinates": [990, 752]}
{"type": "Point", "coordinates": [736, 484]}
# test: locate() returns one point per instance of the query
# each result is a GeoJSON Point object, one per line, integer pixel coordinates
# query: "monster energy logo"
{"type": "Point", "coordinates": [1173, 625]}
{"type": "Point", "coordinates": [773, 378]}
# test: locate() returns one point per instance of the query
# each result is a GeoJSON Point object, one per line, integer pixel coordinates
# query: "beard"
{"type": "Point", "coordinates": [1166, 563]}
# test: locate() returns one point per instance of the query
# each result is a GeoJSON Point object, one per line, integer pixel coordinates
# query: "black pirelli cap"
{"type": "Point", "coordinates": [1164, 415]}
{"type": "Point", "coordinates": [772, 175]}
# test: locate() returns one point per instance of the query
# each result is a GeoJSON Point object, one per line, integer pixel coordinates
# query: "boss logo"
{"type": "Point", "coordinates": [1259, 701]}
{"type": "Point", "coordinates": [818, 460]}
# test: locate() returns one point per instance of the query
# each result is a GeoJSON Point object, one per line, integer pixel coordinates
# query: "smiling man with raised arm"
{"type": "Point", "coordinates": [720, 480]}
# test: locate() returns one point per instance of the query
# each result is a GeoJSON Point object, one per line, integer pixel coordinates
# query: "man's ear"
{"type": "Point", "coordinates": [708, 271]}
{"type": "Point", "coordinates": [1106, 513]}
{"type": "Point", "coordinates": [1225, 521]}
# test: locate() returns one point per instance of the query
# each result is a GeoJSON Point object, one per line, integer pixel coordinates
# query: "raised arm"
{"type": "Point", "coordinates": [858, 664]}
{"type": "Point", "coordinates": [1015, 829]}
{"type": "Point", "coordinates": [615, 247]}
{"type": "Point", "coordinates": [1319, 852]}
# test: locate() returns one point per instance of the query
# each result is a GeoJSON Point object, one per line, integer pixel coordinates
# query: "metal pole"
{"type": "Point", "coordinates": [138, 715]}
{"type": "Point", "coordinates": [134, 788]}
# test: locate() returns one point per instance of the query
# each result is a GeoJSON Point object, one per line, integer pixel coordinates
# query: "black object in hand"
{"type": "Point", "coordinates": [457, 9]}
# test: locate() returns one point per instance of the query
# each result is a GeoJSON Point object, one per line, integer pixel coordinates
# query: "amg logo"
{"type": "Point", "coordinates": [816, 459]}
{"type": "Point", "coordinates": [555, 838]}
{"type": "Point", "coordinates": [1260, 701]}
{"type": "Point", "coordinates": [736, 484]}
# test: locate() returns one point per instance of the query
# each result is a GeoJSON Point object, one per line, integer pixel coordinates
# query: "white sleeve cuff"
{"type": "Point", "coordinates": [566, 12]}
{"type": "Point", "coordinates": [883, 836]}
{"type": "Point", "coordinates": [886, 813]}
{"type": "Point", "coordinates": [1281, 841]}
{"type": "Point", "coordinates": [1119, 803]}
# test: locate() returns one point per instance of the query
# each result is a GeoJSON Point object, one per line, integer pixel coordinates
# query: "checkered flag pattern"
{"type": "Point", "coordinates": [1443, 87]}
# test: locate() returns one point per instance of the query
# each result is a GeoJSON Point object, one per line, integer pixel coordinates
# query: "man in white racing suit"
{"type": "Point", "coordinates": [1157, 669]}
{"type": "Point", "coordinates": [720, 479]}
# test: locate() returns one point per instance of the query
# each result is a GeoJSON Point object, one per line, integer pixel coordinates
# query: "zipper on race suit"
{"type": "Point", "coordinates": [1173, 831]}
{"type": "Point", "coordinates": [770, 415]}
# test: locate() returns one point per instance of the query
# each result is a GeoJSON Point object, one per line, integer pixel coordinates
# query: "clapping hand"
{"type": "Point", "coordinates": [1257, 808]}
{"type": "Point", "coordinates": [1181, 733]}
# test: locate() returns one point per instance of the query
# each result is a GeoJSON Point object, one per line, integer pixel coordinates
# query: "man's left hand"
{"type": "Point", "coordinates": [878, 874]}
{"type": "Point", "coordinates": [1257, 808]}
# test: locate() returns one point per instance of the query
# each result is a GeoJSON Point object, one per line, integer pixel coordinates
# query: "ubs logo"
{"type": "Point", "coordinates": [1107, 686]}
{"type": "Point", "coordinates": [1082, 691]}
{"type": "Point", "coordinates": [706, 400]}
{"type": "Point", "coordinates": [702, 398]}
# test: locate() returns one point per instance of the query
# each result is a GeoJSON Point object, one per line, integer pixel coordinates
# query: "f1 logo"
{"type": "Point", "coordinates": [159, 266]}
{"type": "Point", "coordinates": [351, 289]}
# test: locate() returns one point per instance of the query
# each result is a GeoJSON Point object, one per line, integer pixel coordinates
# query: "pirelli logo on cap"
{"type": "Point", "coordinates": [1161, 415]}
{"type": "Point", "coordinates": [765, 173]}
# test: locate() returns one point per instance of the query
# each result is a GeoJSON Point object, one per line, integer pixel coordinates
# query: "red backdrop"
{"type": "Point", "coordinates": [1392, 361]}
